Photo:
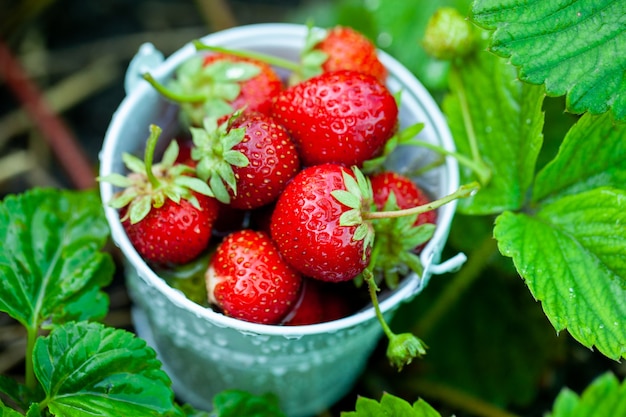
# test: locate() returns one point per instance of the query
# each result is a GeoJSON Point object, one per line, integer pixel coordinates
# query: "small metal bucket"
{"type": "Point", "coordinates": [308, 367]}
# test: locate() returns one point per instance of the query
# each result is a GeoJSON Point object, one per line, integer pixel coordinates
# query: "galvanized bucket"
{"type": "Point", "coordinates": [308, 367]}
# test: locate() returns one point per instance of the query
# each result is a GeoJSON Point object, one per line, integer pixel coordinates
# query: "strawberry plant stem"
{"type": "Point", "coordinates": [463, 191]}
{"type": "Point", "coordinates": [456, 84]}
{"type": "Point", "coordinates": [268, 59]}
{"type": "Point", "coordinates": [481, 170]}
{"type": "Point", "coordinates": [29, 371]}
{"type": "Point", "coordinates": [373, 290]}
{"type": "Point", "coordinates": [457, 398]}
{"type": "Point", "coordinates": [478, 260]}
{"type": "Point", "coordinates": [165, 92]}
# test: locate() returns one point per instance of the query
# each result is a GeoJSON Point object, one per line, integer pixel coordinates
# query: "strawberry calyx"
{"type": "Point", "coordinates": [205, 89]}
{"type": "Point", "coordinates": [310, 60]}
{"type": "Point", "coordinates": [395, 243]}
{"type": "Point", "coordinates": [358, 196]}
{"type": "Point", "coordinates": [149, 185]}
{"type": "Point", "coordinates": [213, 150]}
{"type": "Point", "coordinates": [389, 226]}
{"type": "Point", "coordinates": [402, 348]}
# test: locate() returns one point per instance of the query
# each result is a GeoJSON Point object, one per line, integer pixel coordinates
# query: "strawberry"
{"type": "Point", "coordinates": [341, 48]}
{"type": "Point", "coordinates": [219, 84]}
{"type": "Point", "coordinates": [307, 225]}
{"type": "Point", "coordinates": [407, 194]}
{"type": "Point", "coordinates": [167, 214]}
{"type": "Point", "coordinates": [319, 302]}
{"type": "Point", "coordinates": [247, 161]}
{"type": "Point", "coordinates": [247, 279]}
{"type": "Point", "coordinates": [343, 117]}
{"type": "Point", "coordinates": [399, 240]}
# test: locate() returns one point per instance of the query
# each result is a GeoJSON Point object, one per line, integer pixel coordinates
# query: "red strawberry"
{"type": "Point", "coordinates": [175, 233]}
{"type": "Point", "coordinates": [407, 194]}
{"type": "Point", "coordinates": [219, 84]}
{"type": "Point", "coordinates": [167, 214]}
{"type": "Point", "coordinates": [318, 303]}
{"type": "Point", "coordinates": [247, 161]}
{"type": "Point", "coordinates": [346, 48]}
{"type": "Point", "coordinates": [342, 117]}
{"type": "Point", "coordinates": [308, 230]}
{"type": "Point", "coordinates": [398, 240]}
{"type": "Point", "coordinates": [247, 279]}
{"type": "Point", "coordinates": [256, 93]}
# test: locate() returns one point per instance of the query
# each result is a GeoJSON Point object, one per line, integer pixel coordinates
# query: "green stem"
{"type": "Point", "coordinates": [373, 289]}
{"type": "Point", "coordinates": [457, 86]}
{"type": "Point", "coordinates": [155, 132]}
{"type": "Point", "coordinates": [461, 281]}
{"type": "Point", "coordinates": [463, 192]}
{"type": "Point", "coordinates": [481, 170]}
{"type": "Point", "coordinates": [268, 59]}
{"type": "Point", "coordinates": [458, 399]}
{"type": "Point", "coordinates": [31, 338]}
{"type": "Point", "coordinates": [169, 94]}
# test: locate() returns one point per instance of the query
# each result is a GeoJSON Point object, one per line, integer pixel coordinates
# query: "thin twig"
{"type": "Point", "coordinates": [54, 130]}
{"type": "Point", "coordinates": [64, 95]}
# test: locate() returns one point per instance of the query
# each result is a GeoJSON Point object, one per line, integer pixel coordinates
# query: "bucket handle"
{"type": "Point", "coordinates": [146, 59]}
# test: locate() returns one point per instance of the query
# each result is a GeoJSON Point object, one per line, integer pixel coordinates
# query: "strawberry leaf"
{"type": "Point", "coordinates": [605, 396]}
{"type": "Point", "coordinates": [236, 403]}
{"type": "Point", "coordinates": [488, 105]}
{"type": "Point", "coordinates": [570, 253]}
{"type": "Point", "coordinates": [88, 369]}
{"type": "Point", "coordinates": [391, 406]}
{"type": "Point", "coordinates": [570, 46]}
{"type": "Point", "coordinates": [8, 412]}
{"type": "Point", "coordinates": [51, 263]}
{"type": "Point", "coordinates": [591, 154]}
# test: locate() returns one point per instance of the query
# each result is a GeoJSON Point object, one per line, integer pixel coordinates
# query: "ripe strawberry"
{"type": "Point", "coordinates": [407, 194]}
{"type": "Point", "coordinates": [398, 240]}
{"type": "Point", "coordinates": [307, 225]}
{"type": "Point", "coordinates": [247, 279]}
{"type": "Point", "coordinates": [168, 215]}
{"type": "Point", "coordinates": [246, 161]}
{"type": "Point", "coordinates": [343, 47]}
{"type": "Point", "coordinates": [319, 302]}
{"type": "Point", "coordinates": [217, 85]}
{"type": "Point", "coordinates": [342, 117]}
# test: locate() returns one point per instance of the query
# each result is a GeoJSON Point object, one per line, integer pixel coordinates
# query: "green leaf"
{"type": "Point", "coordinates": [390, 406]}
{"type": "Point", "coordinates": [605, 396]}
{"type": "Point", "coordinates": [465, 342]}
{"type": "Point", "coordinates": [236, 403]}
{"type": "Point", "coordinates": [571, 255]}
{"type": "Point", "coordinates": [19, 394]}
{"type": "Point", "coordinates": [568, 45]}
{"type": "Point", "coordinates": [506, 121]}
{"type": "Point", "coordinates": [592, 154]}
{"type": "Point", "coordinates": [51, 264]}
{"type": "Point", "coordinates": [88, 369]}
{"type": "Point", "coordinates": [8, 412]}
